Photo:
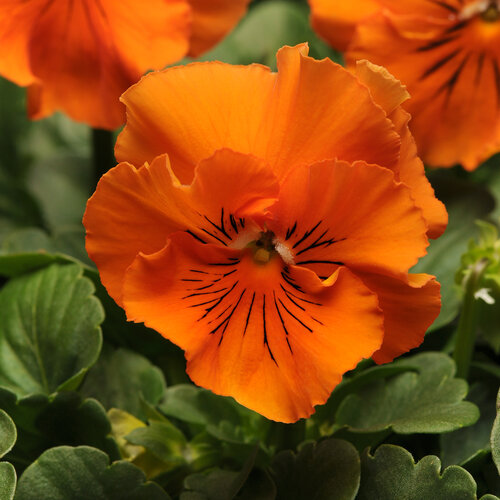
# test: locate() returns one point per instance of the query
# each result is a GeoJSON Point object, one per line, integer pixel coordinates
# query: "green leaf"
{"type": "Point", "coordinates": [8, 480]}
{"type": "Point", "coordinates": [198, 406]}
{"type": "Point", "coordinates": [430, 401]}
{"type": "Point", "coordinates": [162, 439]}
{"type": "Point", "coordinates": [130, 379]}
{"type": "Point", "coordinates": [8, 433]}
{"type": "Point", "coordinates": [465, 203]}
{"type": "Point", "coordinates": [391, 474]}
{"type": "Point", "coordinates": [49, 335]}
{"type": "Point", "coordinates": [328, 470]}
{"type": "Point", "coordinates": [495, 437]}
{"type": "Point", "coordinates": [66, 473]}
{"type": "Point", "coordinates": [466, 444]}
{"type": "Point", "coordinates": [265, 29]}
{"type": "Point", "coordinates": [218, 484]}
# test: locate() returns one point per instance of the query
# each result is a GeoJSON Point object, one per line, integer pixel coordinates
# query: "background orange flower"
{"type": "Point", "coordinates": [78, 56]}
{"type": "Point", "coordinates": [448, 55]}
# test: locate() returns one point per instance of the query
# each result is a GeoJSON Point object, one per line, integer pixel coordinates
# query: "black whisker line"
{"type": "Point", "coordinates": [229, 273]}
{"type": "Point", "coordinates": [496, 71]}
{"type": "Point", "coordinates": [232, 220]}
{"type": "Point", "coordinates": [196, 271]}
{"type": "Point", "coordinates": [214, 236]}
{"type": "Point", "coordinates": [200, 288]}
{"type": "Point", "coordinates": [242, 222]}
{"type": "Point", "coordinates": [219, 300]}
{"type": "Point", "coordinates": [440, 64]}
{"type": "Point", "coordinates": [457, 27]}
{"type": "Point", "coordinates": [293, 285]}
{"type": "Point", "coordinates": [219, 315]}
{"type": "Point", "coordinates": [197, 294]}
{"type": "Point", "coordinates": [266, 343]}
{"type": "Point", "coordinates": [293, 316]}
{"type": "Point", "coordinates": [293, 301]}
{"type": "Point", "coordinates": [220, 228]}
{"type": "Point", "coordinates": [290, 231]}
{"type": "Point", "coordinates": [307, 234]}
{"type": "Point", "coordinates": [196, 237]}
{"type": "Point", "coordinates": [248, 315]}
{"type": "Point", "coordinates": [282, 322]}
{"type": "Point", "coordinates": [299, 298]}
{"type": "Point", "coordinates": [204, 303]}
{"type": "Point", "coordinates": [227, 320]}
{"type": "Point", "coordinates": [480, 64]}
{"type": "Point", "coordinates": [437, 43]}
{"type": "Point", "coordinates": [185, 279]}
{"type": "Point", "coordinates": [224, 263]}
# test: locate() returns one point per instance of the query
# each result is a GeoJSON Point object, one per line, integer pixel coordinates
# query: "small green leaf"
{"type": "Point", "coordinates": [66, 473]}
{"type": "Point", "coordinates": [328, 470]}
{"type": "Point", "coordinates": [430, 401]}
{"type": "Point", "coordinates": [8, 480]}
{"type": "Point", "coordinates": [218, 484]}
{"type": "Point", "coordinates": [495, 437]}
{"type": "Point", "coordinates": [130, 379]}
{"type": "Point", "coordinates": [198, 406]}
{"type": "Point", "coordinates": [49, 335]}
{"type": "Point", "coordinates": [463, 445]}
{"type": "Point", "coordinates": [162, 439]}
{"type": "Point", "coordinates": [391, 474]}
{"type": "Point", "coordinates": [8, 433]}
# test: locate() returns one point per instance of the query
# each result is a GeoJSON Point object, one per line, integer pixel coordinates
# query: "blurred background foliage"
{"type": "Point", "coordinates": [193, 444]}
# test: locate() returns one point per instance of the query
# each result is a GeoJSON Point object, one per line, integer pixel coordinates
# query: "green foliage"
{"type": "Point", "coordinates": [8, 436]}
{"type": "Point", "coordinates": [430, 401]}
{"type": "Point", "coordinates": [329, 470]}
{"type": "Point", "coordinates": [391, 474]}
{"type": "Point", "coordinates": [495, 436]}
{"type": "Point", "coordinates": [66, 473]}
{"type": "Point", "coordinates": [50, 335]}
{"type": "Point", "coordinates": [130, 380]}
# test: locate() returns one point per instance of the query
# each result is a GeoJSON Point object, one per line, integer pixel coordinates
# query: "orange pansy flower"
{"type": "Point", "coordinates": [274, 240]}
{"type": "Point", "coordinates": [447, 52]}
{"type": "Point", "coordinates": [78, 56]}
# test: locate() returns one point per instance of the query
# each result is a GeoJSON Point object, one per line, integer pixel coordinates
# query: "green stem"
{"type": "Point", "coordinates": [466, 332]}
{"type": "Point", "coordinates": [102, 152]}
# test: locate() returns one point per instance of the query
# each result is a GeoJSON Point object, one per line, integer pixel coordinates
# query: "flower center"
{"type": "Point", "coordinates": [267, 246]}
{"type": "Point", "coordinates": [491, 14]}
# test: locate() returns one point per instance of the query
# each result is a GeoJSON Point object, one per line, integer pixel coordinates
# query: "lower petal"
{"type": "Point", "coordinates": [409, 309]}
{"type": "Point", "coordinates": [274, 337]}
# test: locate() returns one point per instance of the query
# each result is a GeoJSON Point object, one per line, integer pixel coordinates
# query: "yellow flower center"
{"type": "Point", "coordinates": [491, 14]}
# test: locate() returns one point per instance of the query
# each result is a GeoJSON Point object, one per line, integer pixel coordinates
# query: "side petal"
{"type": "Point", "coordinates": [244, 335]}
{"type": "Point", "coordinates": [390, 94]}
{"type": "Point", "coordinates": [409, 306]}
{"type": "Point", "coordinates": [136, 210]}
{"type": "Point", "coordinates": [336, 20]}
{"type": "Point", "coordinates": [212, 20]}
{"type": "Point", "coordinates": [85, 54]}
{"type": "Point", "coordinates": [334, 213]}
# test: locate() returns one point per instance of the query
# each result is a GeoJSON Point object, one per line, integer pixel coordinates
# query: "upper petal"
{"type": "Point", "coordinates": [136, 210]}
{"type": "Point", "coordinates": [212, 20]}
{"type": "Point", "coordinates": [247, 333]}
{"type": "Point", "coordinates": [309, 111]}
{"type": "Point", "coordinates": [335, 213]}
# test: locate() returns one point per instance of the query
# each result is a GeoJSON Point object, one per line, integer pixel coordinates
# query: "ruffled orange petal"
{"type": "Point", "coordinates": [247, 332]}
{"type": "Point", "coordinates": [212, 20]}
{"type": "Point", "coordinates": [85, 54]}
{"type": "Point", "coordinates": [390, 94]}
{"type": "Point", "coordinates": [451, 70]}
{"type": "Point", "coordinates": [409, 306]}
{"type": "Point", "coordinates": [334, 213]}
{"type": "Point", "coordinates": [309, 111]}
{"type": "Point", "coordinates": [135, 210]}
{"type": "Point", "coordinates": [336, 20]}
